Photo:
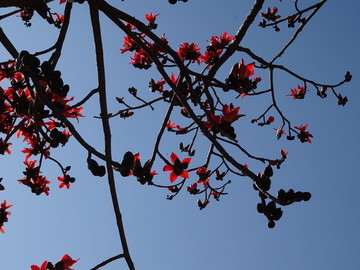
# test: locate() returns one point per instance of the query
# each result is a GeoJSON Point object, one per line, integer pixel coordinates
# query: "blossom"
{"type": "Point", "coordinates": [298, 93]}
{"type": "Point", "coordinates": [279, 132]}
{"type": "Point", "coordinates": [129, 45]}
{"type": "Point", "coordinates": [304, 135]}
{"type": "Point", "coordinates": [188, 51]}
{"type": "Point", "coordinates": [283, 153]}
{"type": "Point", "coordinates": [270, 119]}
{"type": "Point", "coordinates": [230, 114]}
{"type": "Point", "coordinates": [141, 60]}
{"type": "Point", "coordinates": [157, 86]}
{"type": "Point", "coordinates": [59, 19]}
{"type": "Point", "coordinates": [4, 214]}
{"type": "Point", "coordinates": [41, 267]}
{"type": "Point", "coordinates": [210, 57]}
{"type": "Point", "coordinates": [239, 77]}
{"type": "Point", "coordinates": [67, 262]}
{"type": "Point", "coordinates": [202, 205]}
{"type": "Point", "coordinates": [222, 123]}
{"type": "Point", "coordinates": [220, 42]}
{"type": "Point", "coordinates": [170, 126]}
{"type": "Point", "coordinates": [245, 71]}
{"type": "Point", "coordinates": [65, 181]}
{"type": "Point", "coordinates": [203, 174]}
{"type": "Point", "coordinates": [177, 168]}
{"type": "Point", "coordinates": [34, 180]}
{"type": "Point", "coordinates": [193, 189]}
{"type": "Point", "coordinates": [151, 20]}
{"type": "Point", "coordinates": [271, 14]}
{"type": "Point", "coordinates": [4, 147]}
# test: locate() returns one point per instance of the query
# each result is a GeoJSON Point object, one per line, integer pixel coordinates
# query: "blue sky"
{"type": "Point", "coordinates": [230, 234]}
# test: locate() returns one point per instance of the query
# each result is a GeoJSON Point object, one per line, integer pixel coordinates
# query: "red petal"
{"type": "Point", "coordinates": [173, 177]}
{"type": "Point", "coordinates": [167, 167]}
{"type": "Point", "coordinates": [185, 174]}
{"type": "Point", "coordinates": [173, 157]}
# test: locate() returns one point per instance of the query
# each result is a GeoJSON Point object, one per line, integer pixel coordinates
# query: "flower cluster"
{"type": "Point", "coordinates": [33, 178]}
{"type": "Point", "coordinates": [22, 113]}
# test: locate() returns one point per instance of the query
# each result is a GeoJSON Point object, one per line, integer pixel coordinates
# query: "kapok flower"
{"type": "Point", "coordinates": [270, 119]}
{"type": "Point", "coordinates": [129, 45]}
{"type": "Point", "coordinates": [271, 14]}
{"type": "Point", "coordinates": [239, 77]}
{"type": "Point", "coordinates": [4, 215]}
{"type": "Point", "coordinates": [189, 52]}
{"type": "Point", "coordinates": [210, 57]}
{"type": "Point", "coordinates": [141, 60]}
{"type": "Point", "coordinates": [220, 42]}
{"type": "Point", "coordinates": [230, 114]}
{"type": "Point", "coordinates": [304, 135]}
{"type": "Point", "coordinates": [177, 168]}
{"type": "Point", "coordinates": [59, 19]}
{"type": "Point", "coordinates": [279, 132]}
{"type": "Point", "coordinates": [223, 122]}
{"type": "Point", "coordinates": [151, 20]}
{"type": "Point", "coordinates": [245, 71]}
{"type": "Point", "coordinates": [41, 267]}
{"type": "Point", "coordinates": [67, 262]}
{"type": "Point", "coordinates": [65, 181]}
{"type": "Point", "coordinates": [298, 93]}
{"type": "Point", "coordinates": [284, 153]}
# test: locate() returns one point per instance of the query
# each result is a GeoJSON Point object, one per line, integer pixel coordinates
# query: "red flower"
{"type": "Point", "coordinates": [65, 181]}
{"type": "Point", "coordinates": [4, 215]}
{"type": "Point", "coordinates": [62, 1]}
{"type": "Point", "coordinates": [193, 189]}
{"type": "Point", "coordinates": [157, 86]}
{"type": "Point", "coordinates": [270, 120]}
{"type": "Point", "coordinates": [210, 57]}
{"type": "Point", "coordinates": [202, 205]}
{"type": "Point", "coordinates": [271, 14]}
{"type": "Point", "coordinates": [283, 153]}
{"type": "Point", "coordinates": [242, 71]}
{"type": "Point", "coordinates": [178, 168]}
{"type": "Point", "coordinates": [151, 19]}
{"type": "Point", "coordinates": [4, 147]}
{"type": "Point", "coordinates": [189, 52]}
{"type": "Point", "coordinates": [41, 267]}
{"type": "Point", "coordinates": [304, 135]}
{"type": "Point", "coordinates": [203, 174]}
{"type": "Point", "coordinates": [59, 19]}
{"type": "Point", "coordinates": [129, 45]}
{"type": "Point", "coordinates": [67, 262]}
{"type": "Point", "coordinates": [230, 114]}
{"type": "Point", "coordinates": [279, 132]}
{"type": "Point", "coordinates": [298, 93]}
{"type": "Point", "coordinates": [141, 60]}
{"type": "Point", "coordinates": [219, 42]}
{"type": "Point", "coordinates": [223, 122]}
{"type": "Point", "coordinates": [170, 125]}
{"type": "Point", "coordinates": [34, 180]}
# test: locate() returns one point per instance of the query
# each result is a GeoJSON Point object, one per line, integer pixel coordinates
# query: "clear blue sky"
{"type": "Point", "coordinates": [230, 234]}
